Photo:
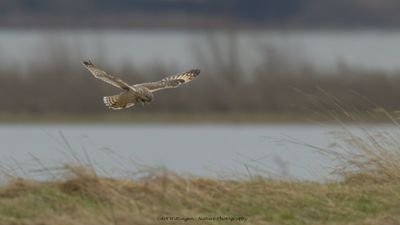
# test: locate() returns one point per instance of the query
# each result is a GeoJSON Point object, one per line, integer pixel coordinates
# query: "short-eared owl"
{"type": "Point", "coordinates": [138, 93]}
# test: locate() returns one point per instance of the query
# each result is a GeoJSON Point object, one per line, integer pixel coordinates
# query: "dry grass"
{"type": "Point", "coordinates": [369, 193]}
{"type": "Point", "coordinates": [82, 197]}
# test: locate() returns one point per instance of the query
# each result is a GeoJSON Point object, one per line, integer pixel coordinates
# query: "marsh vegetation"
{"type": "Point", "coordinates": [367, 191]}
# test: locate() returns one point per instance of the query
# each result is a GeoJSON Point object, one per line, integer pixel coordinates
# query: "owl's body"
{"type": "Point", "coordinates": [129, 98]}
{"type": "Point", "coordinates": [139, 93]}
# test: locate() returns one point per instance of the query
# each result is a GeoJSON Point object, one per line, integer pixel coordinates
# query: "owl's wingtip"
{"type": "Point", "coordinates": [87, 63]}
{"type": "Point", "coordinates": [195, 71]}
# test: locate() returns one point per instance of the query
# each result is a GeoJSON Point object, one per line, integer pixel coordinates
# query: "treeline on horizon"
{"type": "Point", "coordinates": [203, 13]}
{"type": "Point", "coordinates": [277, 85]}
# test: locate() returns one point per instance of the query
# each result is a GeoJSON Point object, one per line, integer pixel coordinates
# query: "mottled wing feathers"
{"type": "Point", "coordinates": [159, 85]}
{"type": "Point", "coordinates": [104, 76]}
{"type": "Point", "coordinates": [184, 77]}
{"type": "Point", "coordinates": [172, 81]}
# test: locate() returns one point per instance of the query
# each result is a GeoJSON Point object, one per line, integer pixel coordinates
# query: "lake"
{"type": "Point", "coordinates": [323, 49]}
{"type": "Point", "coordinates": [204, 150]}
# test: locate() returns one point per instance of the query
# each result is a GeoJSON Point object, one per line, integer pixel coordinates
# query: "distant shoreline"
{"type": "Point", "coordinates": [188, 118]}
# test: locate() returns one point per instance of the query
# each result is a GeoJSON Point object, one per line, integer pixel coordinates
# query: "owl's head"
{"type": "Point", "coordinates": [146, 97]}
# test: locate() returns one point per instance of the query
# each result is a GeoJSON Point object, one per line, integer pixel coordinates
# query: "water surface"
{"type": "Point", "coordinates": [204, 150]}
{"type": "Point", "coordinates": [322, 49]}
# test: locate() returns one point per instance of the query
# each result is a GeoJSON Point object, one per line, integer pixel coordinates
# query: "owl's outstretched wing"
{"type": "Point", "coordinates": [172, 81]}
{"type": "Point", "coordinates": [104, 76]}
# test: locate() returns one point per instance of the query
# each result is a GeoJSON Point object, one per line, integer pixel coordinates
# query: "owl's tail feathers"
{"type": "Point", "coordinates": [113, 103]}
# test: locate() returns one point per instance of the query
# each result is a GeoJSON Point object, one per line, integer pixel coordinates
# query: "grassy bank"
{"type": "Point", "coordinates": [84, 198]}
{"type": "Point", "coordinates": [368, 163]}
{"type": "Point", "coordinates": [160, 118]}
{"type": "Point", "coordinates": [367, 193]}
{"type": "Point", "coordinates": [134, 117]}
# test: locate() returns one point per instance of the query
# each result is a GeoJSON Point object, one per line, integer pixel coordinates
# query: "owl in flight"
{"type": "Point", "coordinates": [138, 93]}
